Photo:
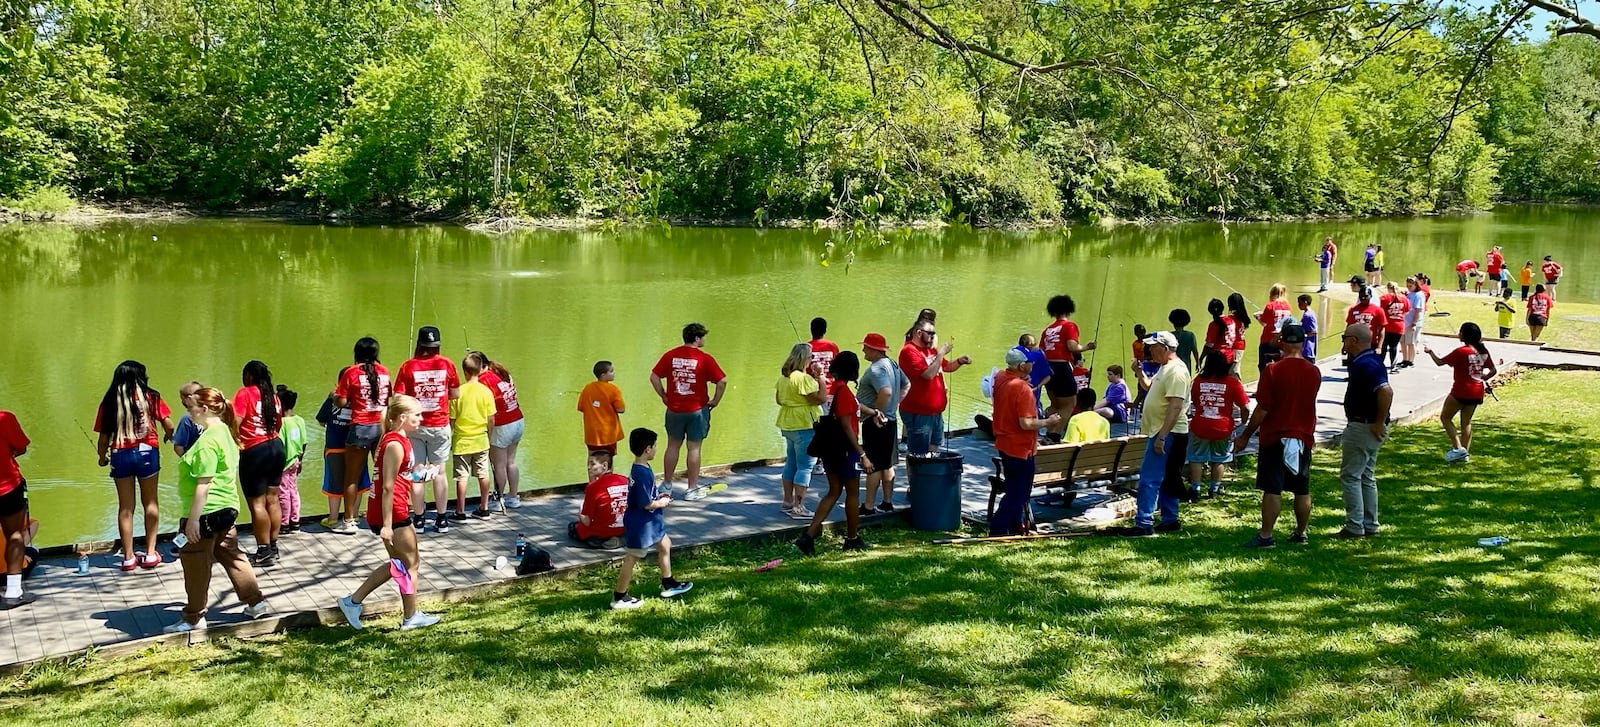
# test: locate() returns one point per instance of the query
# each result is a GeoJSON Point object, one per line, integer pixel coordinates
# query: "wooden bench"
{"type": "Point", "coordinates": [1078, 466]}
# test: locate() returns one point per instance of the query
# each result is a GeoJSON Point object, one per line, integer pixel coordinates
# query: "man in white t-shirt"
{"type": "Point", "coordinates": [1166, 405]}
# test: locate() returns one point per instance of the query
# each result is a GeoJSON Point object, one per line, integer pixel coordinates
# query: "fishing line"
{"type": "Point", "coordinates": [790, 318]}
{"type": "Point", "coordinates": [1100, 316]}
{"type": "Point", "coordinates": [1229, 287]}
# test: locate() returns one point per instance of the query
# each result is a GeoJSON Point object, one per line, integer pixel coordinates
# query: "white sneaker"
{"type": "Point", "coordinates": [183, 627]}
{"type": "Point", "coordinates": [351, 611]}
{"type": "Point", "coordinates": [257, 610]}
{"type": "Point", "coordinates": [512, 502]}
{"type": "Point", "coordinates": [419, 620]}
{"type": "Point", "coordinates": [626, 602]}
{"type": "Point", "coordinates": [698, 493]}
{"type": "Point", "coordinates": [1455, 455]}
{"type": "Point", "coordinates": [345, 527]}
{"type": "Point", "coordinates": [801, 513]}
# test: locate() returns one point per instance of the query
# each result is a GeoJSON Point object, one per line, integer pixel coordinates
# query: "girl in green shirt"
{"type": "Point", "coordinates": [208, 477]}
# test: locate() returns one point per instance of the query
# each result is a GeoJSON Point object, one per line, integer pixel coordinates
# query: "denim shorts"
{"type": "Point", "coordinates": [1209, 451]}
{"type": "Point", "coordinates": [136, 462]}
{"type": "Point", "coordinates": [364, 436]}
{"type": "Point", "coordinates": [506, 436]}
{"type": "Point", "coordinates": [693, 426]}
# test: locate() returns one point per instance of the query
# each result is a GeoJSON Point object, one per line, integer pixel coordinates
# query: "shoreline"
{"type": "Point", "coordinates": [100, 211]}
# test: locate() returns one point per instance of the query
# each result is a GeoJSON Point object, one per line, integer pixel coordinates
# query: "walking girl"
{"type": "Point", "coordinates": [261, 458]}
{"type": "Point", "coordinates": [207, 475]}
{"type": "Point", "coordinates": [364, 389]}
{"type": "Point", "coordinates": [844, 459]}
{"type": "Point", "coordinates": [126, 422]}
{"type": "Point", "coordinates": [1473, 366]}
{"type": "Point", "coordinates": [389, 515]}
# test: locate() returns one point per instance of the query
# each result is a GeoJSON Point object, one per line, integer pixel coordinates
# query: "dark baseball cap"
{"type": "Point", "coordinates": [1357, 279]}
{"type": "Point", "coordinates": [427, 337]}
{"type": "Point", "coordinates": [1292, 333]}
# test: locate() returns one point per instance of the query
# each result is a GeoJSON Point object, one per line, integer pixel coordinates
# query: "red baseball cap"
{"type": "Point", "coordinates": [875, 341]}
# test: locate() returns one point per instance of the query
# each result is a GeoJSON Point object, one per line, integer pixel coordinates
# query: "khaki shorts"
{"type": "Point", "coordinates": [472, 465]}
{"type": "Point", "coordinates": [431, 445]}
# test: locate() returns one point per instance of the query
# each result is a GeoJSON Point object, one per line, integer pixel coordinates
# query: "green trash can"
{"type": "Point", "coordinates": [934, 488]}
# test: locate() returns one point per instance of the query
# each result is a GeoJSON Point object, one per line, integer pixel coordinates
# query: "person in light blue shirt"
{"type": "Point", "coordinates": [187, 432]}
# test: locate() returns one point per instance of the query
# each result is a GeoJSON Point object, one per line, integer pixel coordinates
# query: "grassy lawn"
{"type": "Point", "coordinates": [1575, 325]}
{"type": "Point", "coordinates": [1418, 625]}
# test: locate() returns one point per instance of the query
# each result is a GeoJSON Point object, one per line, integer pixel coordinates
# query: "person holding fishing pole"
{"type": "Point", "coordinates": [1059, 341]}
{"type": "Point", "coordinates": [1273, 315]}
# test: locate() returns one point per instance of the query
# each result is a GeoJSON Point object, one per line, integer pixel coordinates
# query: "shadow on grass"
{"type": "Point", "coordinates": [1186, 627]}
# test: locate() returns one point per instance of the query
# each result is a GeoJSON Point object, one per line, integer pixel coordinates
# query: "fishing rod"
{"type": "Point", "coordinates": [1229, 287]}
{"type": "Point", "coordinates": [84, 432]}
{"type": "Point", "coordinates": [790, 318]}
{"type": "Point", "coordinates": [416, 269]}
{"type": "Point", "coordinates": [1100, 316]}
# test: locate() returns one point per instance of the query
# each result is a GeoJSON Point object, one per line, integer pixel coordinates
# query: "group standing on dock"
{"type": "Point", "coordinates": [846, 412]}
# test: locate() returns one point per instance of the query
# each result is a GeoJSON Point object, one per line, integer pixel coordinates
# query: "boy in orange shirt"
{"type": "Point", "coordinates": [601, 403]}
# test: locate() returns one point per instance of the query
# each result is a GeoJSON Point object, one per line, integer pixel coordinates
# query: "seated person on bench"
{"type": "Point", "coordinates": [1087, 425]}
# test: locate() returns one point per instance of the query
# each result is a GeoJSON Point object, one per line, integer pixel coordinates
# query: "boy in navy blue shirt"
{"type": "Point", "coordinates": [1308, 321]}
{"type": "Point", "coordinates": [644, 525]}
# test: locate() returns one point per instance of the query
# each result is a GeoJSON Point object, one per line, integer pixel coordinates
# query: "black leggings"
{"type": "Point", "coordinates": [1391, 347]}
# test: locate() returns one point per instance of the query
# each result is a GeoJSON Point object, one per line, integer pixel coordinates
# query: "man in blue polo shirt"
{"type": "Point", "coordinates": [1367, 398]}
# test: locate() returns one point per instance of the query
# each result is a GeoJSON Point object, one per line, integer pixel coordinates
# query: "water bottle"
{"type": "Point", "coordinates": [83, 564]}
{"type": "Point", "coordinates": [522, 544]}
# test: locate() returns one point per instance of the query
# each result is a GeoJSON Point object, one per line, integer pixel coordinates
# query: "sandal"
{"type": "Point", "coordinates": [130, 564]}
{"type": "Point", "coordinates": [149, 560]}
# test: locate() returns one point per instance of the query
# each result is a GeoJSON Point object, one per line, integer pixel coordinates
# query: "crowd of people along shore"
{"type": "Point", "coordinates": [394, 439]}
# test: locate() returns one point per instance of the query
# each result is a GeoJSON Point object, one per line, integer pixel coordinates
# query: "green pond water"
{"type": "Point", "coordinates": [196, 299]}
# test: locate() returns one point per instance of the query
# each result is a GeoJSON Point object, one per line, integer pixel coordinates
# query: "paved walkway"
{"type": "Point", "coordinates": [119, 612]}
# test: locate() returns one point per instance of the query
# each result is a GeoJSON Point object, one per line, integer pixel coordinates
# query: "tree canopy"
{"type": "Point", "coordinates": [982, 110]}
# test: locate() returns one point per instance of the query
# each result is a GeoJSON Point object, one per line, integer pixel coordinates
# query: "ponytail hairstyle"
{"type": "Point", "coordinates": [214, 402]}
{"type": "Point", "coordinates": [125, 411]}
{"type": "Point", "coordinates": [367, 358]}
{"type": "Point", "coordinates": [287, 397]}
{"type": "Point", "coordinates": [258, 375]}
{"type": "Point", "coordinates": [1392, 288]}
{"type": "Point", "coordinates": [487, 364]}
{"type": "Point", "coordinates": [1241, 314]}
{"type": "Point", "coordinates": [399, 405]}
{"type": "Point", "coordinates": [1215, 309]}
{"type": "Point", "coordinates": [1472, 335]}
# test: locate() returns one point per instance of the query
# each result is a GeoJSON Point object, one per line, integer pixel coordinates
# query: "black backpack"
{"type": "Point", "coordinates": [534, 560]}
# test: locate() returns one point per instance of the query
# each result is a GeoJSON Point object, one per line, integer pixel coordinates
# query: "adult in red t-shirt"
{"type": "Point", "coordinates": [1539, 306]}
{"type": "Point", "coordinates": [1369, 313]}
{"type": "Point", "coordinates": [1495, 265]}
{"type": "Point", "coordinates": [126, 422]}
{"type": "Point", "coordinates": [1465, 269]}
{"type": "Point", "coordinates": [925, 364]}
{"type": "Point", "coordinates": [604, 502]}
{"type": "Point", "coordinates": [682, 377]}
{"type": "Point", "coordinates": [13, 509]}
{"type": "Point", "coordinates": [388, 514]}
{"type": "Point", "coordinates": [1274, 314]}
{"type": "Point", "coordinates": [261, 458]}
{"type": "Point", "coordinates": [506, 433]}
{"type": "Point", "coordinates": [1016, 437]}
{"type": "Point", "coordinates": [1395, 307]}
{"type": "Point", "coordinates": [363, 387]}
{"type": "Point", "coordinates": [1286, 416]}
{"type": "Point", "coordinates": [1061, 348]}
{"type": "Point", "coordinates": [432, 380]}
{"type": "Point", "coordinates": [1473, 366]}
{"type": "Point", "coordinates": [847, 460]}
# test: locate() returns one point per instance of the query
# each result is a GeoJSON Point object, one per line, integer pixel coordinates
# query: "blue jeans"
{"type": "Point", "coordinates": [796, 463]}
{"type": "Point", "coordinates": [1018, 474]}
{"type": "Point", "coordinates": [923, 432]}
{"type": "Point", "coordinates": [1151, 474]}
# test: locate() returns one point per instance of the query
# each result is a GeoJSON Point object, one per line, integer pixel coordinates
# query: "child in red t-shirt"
{"type": "Point", "coordinates": [1473, 367]}
{"type": "Point", "coordinates": [605, 500]}
{"type": "Point", "coordinates": [1216, 393]}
